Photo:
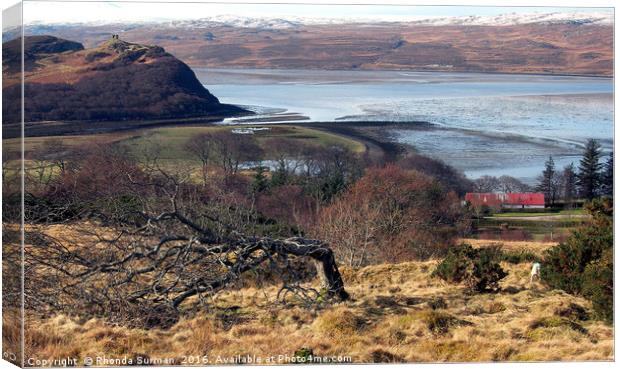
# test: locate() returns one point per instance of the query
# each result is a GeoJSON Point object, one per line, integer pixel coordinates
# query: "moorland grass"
{"type": "Point", "coordinates": [393, 316]}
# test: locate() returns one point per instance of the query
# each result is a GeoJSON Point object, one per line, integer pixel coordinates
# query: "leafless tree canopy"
{"type": "Point", "coordinates": [165, 246]}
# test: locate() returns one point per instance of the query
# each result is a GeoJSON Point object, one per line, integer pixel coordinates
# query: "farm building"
{"type": "Point", "coordinates": [525, 200]}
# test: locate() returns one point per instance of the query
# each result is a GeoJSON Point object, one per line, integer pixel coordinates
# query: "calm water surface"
{"type": "Point", "coordinates": [485, 123]}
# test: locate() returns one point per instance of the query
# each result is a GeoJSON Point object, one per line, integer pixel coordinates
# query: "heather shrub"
{"type": "Point", "coordinates": [583, 264]}
{"type": "Point", "coordinates": [518, 257]}
{"type": "Point", "coordinates": [598, 286]}
{"type": "Point", "coordinates": [479, 269]}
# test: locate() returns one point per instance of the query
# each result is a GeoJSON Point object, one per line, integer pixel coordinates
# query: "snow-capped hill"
{"type": "Point", "coordinates": [236, 21]}
{"type": "Point", "coordinates": [291, 22]}
{"type": "Point", "coordinates": [602, 18]}
{"type": "Point", "coordinates": [511, 19]}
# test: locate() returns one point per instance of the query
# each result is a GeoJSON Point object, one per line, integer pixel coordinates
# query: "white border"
{"type": "Point", "coordinates": [551, 3]}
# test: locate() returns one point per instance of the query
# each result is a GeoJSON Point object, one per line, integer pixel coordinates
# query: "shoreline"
{"type": "Point", "coordinates": [84, 128]}
{"type": "Point", "coordinates": [239, 68]}
{"type": "Point", "coordinates": [358, 131]}
{"type": "Point", "coordinates": [373, 135]}
{"type": "Point", "coordinates": [390, 150]}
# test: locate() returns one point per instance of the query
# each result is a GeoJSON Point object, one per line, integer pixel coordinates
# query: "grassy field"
{"type": "Point", "coordinates": [560, 213]}
{"type": "Point", "coordinates": [536, 248]}
{"type": "Point", "coordinates": [169, 141]}
{"type": "Point", "coordinates": [398, 313]}
{"type": "Point", "coordinates": [32, 143]}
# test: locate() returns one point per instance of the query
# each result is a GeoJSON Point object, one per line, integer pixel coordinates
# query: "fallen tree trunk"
{"type": "Point", "coordinates": [136, 281]}
{"type": "Point", "coordinates": [141, 272]}
{"type": "Point", "coordinates": [319, 253]}
{"type": "Point", "coordinates": [325, 263]}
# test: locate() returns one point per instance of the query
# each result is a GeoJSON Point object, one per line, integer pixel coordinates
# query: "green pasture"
{"type": "Point", "coordinates": [168, 143]}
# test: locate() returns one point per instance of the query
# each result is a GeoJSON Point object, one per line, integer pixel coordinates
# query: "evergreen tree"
{"type": "Point", "coordinates": [608, 176]}
{"type": "Point", "coordinates": [589, 177]}
{"type": "Point", "coordinates": [569, 184]}
{"type": "Point", "coordinates": [280, 176]}
{"type": "Point", "coordinates": [260, 182]}
{"type": "Point", "coordinates": [548, 183]}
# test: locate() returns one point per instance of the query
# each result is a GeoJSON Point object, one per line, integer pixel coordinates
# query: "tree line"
{"type": "Point", "coordinates": [593, 178]}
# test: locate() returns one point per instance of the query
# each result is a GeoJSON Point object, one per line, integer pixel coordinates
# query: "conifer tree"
{"type": "Point", "coordinates": [569, 184]}
{"type": "Point", "coordinates": [607, 177]}
{"type": "Point", "coordinates": [548, 183]}
{"type": "Point", "coordinates": [589, 177]}
{"type": "Point", "coordinates": [260, 182]}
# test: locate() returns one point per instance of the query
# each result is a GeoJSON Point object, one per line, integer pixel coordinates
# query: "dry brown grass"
{"type": "Point", "coordinates": [397, 313]}
{"type": "Point", "coordinates": [533, 247]}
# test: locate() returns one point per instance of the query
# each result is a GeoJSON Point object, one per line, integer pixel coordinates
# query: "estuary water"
{"type": "Point", "coordinates": [491, 124]}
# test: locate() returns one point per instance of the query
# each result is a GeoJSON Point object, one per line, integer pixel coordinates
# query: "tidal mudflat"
{"type": "Point", "coordinates": [480, 123]}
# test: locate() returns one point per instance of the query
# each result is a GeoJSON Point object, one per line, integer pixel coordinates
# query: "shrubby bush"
{"type": "Point", "coordinates": [479, 269]}
{"type": "Point", "coordinates": [583, 264]}
{"type": "Point", "coordinates": [518, 257]}
{"type": "Point", "coordinates": [598, 285]}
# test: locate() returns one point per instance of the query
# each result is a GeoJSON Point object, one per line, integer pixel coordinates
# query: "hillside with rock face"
{"type": "Point", "coordinates": [116, 80]}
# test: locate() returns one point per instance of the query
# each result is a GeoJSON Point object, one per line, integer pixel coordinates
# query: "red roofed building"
{"type": "Point", "coordinates": [525, 200]}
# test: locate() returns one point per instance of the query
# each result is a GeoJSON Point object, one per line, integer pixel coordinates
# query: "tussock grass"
{"type": "Point", "coordinates": [339, 323]}
{"type": "Point", "coordinates": [398, 313]}
{"type": "Point", "coordinates": [440, 322]}
{"type": "Point", "coordinates": [517, 247]}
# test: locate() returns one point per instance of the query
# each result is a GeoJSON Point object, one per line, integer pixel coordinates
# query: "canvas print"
{"type": "Point", "coordinates": [227, 183]}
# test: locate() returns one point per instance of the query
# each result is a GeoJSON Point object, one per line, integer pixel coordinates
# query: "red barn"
{"type": "Point", "coordinates": [526, 200]}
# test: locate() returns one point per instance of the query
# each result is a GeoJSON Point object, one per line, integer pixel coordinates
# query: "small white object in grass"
{"type": "Point", "coordinates": [535, 271]}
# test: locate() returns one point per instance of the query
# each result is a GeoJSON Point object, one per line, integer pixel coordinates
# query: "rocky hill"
{"type": "Point", "coordinates": [116, 80]}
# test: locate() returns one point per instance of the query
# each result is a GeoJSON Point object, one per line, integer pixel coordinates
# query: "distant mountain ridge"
{"type": "Point", "coordinates": [510, 19]}
{"type": "Point", "coordinates": [549, 43]}
{"type": "Point", "coordinates": [117, 80]}
{"type": "Point", "coordinates": [507, 19]}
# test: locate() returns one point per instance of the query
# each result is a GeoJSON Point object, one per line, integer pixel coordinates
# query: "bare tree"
{"type": "Point", "coordinates": [354, 227]}
{"type": "Point", "coordinates": [510, 184]}
{"type": "Point", "coordinates": [48, 160]}
{"type": "Point", "coordinates": [486, 184]}
{"type": "Point", "coordinates": [504, 183]}
{"type": "Point", "coordinates": [201, 146]}
{"type": "Point", "coordinates": [406, 210]}
{"type": "Point", "coordinates": [287, 156]}
{"type": "Point", "coordinates": [231, 150]}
